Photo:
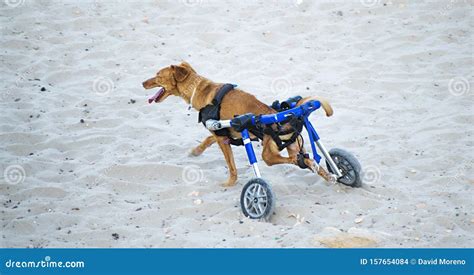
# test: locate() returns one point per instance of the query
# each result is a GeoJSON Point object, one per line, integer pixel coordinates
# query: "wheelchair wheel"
{"type": "Point", "coordinates": [257, 199]}
{"type": "Point", "coordinates": [348, 165]}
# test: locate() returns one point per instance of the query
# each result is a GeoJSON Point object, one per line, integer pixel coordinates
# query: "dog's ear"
{"type": "Point", "coordinates": [180, 73]}
{"type": "Point", "coordinates": [187, 65]}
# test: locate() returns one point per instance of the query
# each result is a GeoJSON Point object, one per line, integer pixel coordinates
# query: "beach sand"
{"type": "Point", "coordinates": [86, 162]}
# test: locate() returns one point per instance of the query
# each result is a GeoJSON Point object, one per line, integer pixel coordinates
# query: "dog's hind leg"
{"type": "Point", "coordinates": [271, 154]}
{"type": "Point", "coordinates": [198, 150]}
{"type": "Point", "coordinates": [294, 148]}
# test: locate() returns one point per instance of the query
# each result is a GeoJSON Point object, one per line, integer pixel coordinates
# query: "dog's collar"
{"type": "Point", "coordinates": [196, 81]}
{"type": "Point", "coordinates": [192, 97]}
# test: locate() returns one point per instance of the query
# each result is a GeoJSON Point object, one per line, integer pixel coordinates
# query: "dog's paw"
{"type": "Point", "coordinates": [229, 183]}
{"type": "Point", "coordinates": [196, 151]}
{"type": "Point", "coordinates": [332, 179]}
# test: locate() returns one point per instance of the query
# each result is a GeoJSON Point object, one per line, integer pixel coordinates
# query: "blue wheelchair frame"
{"type": "Point", "coordinates": [303, 111]}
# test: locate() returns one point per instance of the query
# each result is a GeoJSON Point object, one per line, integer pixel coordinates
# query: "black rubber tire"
{"type": "Point", "coordinates": [269, 204]}
{"type": "Point", "coordinates": [352, 179]}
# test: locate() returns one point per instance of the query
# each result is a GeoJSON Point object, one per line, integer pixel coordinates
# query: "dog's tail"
{"type": "Point", "coordinates": [326, 106]}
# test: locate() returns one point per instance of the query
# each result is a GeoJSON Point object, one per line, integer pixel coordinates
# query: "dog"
{"type": "Point", "coordinates": [197, 91]}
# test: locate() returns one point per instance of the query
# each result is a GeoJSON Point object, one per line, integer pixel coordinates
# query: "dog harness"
{"type": "Point", "coordinates": [282, 137]}
{"type": "Point", "coordinates": [212, 111]}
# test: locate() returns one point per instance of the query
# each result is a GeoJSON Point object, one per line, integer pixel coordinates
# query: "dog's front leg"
{"type": "Point", "coordinates": [198, 150]}
{"type": "Point", "coordinates": [229, 158]}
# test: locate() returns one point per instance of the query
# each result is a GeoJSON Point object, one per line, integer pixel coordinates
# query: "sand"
{"type": "Point", "coordinates": [86, 162]}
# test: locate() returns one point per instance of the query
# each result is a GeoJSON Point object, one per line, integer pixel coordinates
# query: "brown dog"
{"type": "Point", "coordinates": [183, 81]}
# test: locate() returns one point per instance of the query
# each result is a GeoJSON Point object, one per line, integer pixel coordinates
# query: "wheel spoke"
{"type": "Point", "coordinates": [248, 197]}
{"type": "Point", "coordinates": [260, 208]}
{"type": "Point", "coordinates": [255, 209]}
{"type": "Point", "coordinates": [252, 190]}
{"type": "Point", "coordinates": [248, 204]}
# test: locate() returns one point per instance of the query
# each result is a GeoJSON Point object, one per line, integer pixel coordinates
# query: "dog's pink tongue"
{"type": "Point", "coordinates": [157, 95]}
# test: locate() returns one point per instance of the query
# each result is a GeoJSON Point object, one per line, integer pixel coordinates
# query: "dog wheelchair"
{"type": "Point", "coordinates": [257, 198]}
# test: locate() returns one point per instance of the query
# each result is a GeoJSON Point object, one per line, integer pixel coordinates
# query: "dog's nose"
{"type": "Point", "coordinates": [144, 82]}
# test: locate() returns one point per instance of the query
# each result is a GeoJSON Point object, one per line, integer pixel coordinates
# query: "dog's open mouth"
{"type": "Point", "coordinates": [157, 96]}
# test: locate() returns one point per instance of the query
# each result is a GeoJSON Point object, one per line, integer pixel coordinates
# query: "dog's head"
{"type": "Point", "coordinates": [167, 80]}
